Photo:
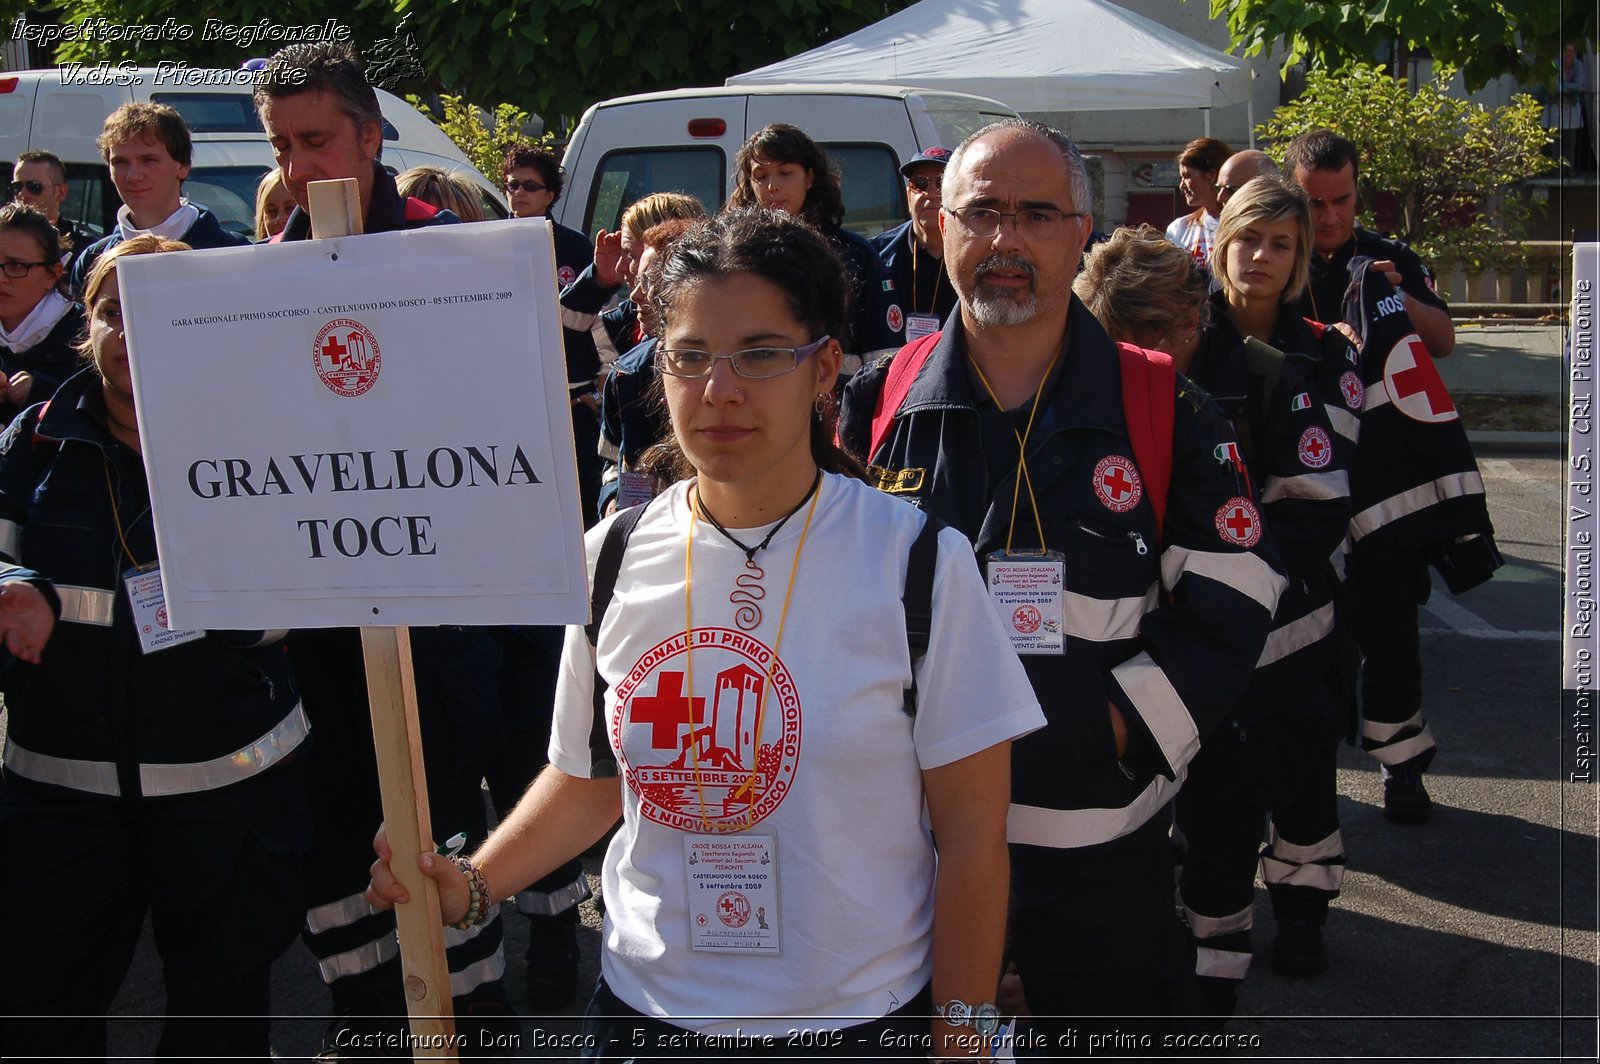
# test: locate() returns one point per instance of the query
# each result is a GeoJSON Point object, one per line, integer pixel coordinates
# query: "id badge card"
{"type": "Point", "coordinates": [634, 488]}
{"type": "Point", "coordinates": [920, 325]}
{"type": "Point", "coordinates": [149, 602]}
{"type": "Point", "coordinates": [1027, 589]}
{"type": "Point", "coordinates": [733, 893]}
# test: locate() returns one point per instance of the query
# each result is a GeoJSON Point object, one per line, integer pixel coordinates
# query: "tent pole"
{"type": "Point", "coordinates": [1250, 116]}
{"type": "Point", "coordinates": [1207, 112]}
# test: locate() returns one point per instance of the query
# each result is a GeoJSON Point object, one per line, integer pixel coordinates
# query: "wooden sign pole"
{"type": "Point", "coordinates": [335, 208]}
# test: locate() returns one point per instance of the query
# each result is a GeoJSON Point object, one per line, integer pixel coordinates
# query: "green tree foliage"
{"type": "Point", "coordinates": [485, 143]}
{"type": "Point", "coordinates": [551, 57]}
{"type": "Point", "coordinates": [1483, 38]}
{"type": "Point", "coordinates": [1449, 162]}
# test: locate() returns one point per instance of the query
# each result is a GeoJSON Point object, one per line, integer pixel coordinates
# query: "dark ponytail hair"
{"type": "Point", "coordinates": [795, 259]}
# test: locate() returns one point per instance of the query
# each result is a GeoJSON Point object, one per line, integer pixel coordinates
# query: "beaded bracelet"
{"type": "Point", "coordinates": [478, 904]}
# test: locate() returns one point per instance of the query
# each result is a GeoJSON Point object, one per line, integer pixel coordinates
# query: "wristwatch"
{"type": "Point", "coordinates": [984, 1018]}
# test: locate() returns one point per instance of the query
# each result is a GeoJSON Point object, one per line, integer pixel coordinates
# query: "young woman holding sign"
{"type": "Point", "coordinates": [775, 860]}
{"type": "Point", "coordinates": [146, 769]}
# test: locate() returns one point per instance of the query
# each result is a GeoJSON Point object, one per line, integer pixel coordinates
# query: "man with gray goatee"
{"type": "Point", "coordinates": [1139, 608]}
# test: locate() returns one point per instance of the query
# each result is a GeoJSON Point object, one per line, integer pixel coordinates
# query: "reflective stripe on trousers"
{"type": "Point", "coordinates": [536, 903]}
{"type": "Point", "coordinates": [100, 777]}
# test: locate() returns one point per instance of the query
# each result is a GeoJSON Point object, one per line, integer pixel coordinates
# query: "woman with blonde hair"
{"type": "Point", "coordinates": [1144, 294]}
{"type": "Point", "coordinates": [1276, 376]}
{"type": "Point", "coordinates": [274, 204]}
{"type": "Point", "coordinates": [444, 189]}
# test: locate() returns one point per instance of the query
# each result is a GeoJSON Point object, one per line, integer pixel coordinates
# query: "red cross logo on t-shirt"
{"type": "Point", "coordinates": [668, 710]}
{"type": "Point", "coordinates": [1414, 382]}
{"type": "Point", "coordinates": [1239, 523]}
{"type": "Point", "coordinates": [1116, 483]}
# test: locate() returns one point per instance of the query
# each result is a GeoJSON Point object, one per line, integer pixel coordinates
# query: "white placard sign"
{"type": "Point", "coordinates": [370, 430]}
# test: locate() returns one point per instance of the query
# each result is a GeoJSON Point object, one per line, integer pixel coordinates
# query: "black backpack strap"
{"type": "Point", "coordinates": [918, 599]}
{"type": "Point", "coordinates": [602, 763]}
{"type": "Point", "coordinates": [1265, 364]}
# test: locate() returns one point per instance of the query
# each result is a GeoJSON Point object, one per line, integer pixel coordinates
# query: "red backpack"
{"type": "Point", "coordinates": [1148, 380]}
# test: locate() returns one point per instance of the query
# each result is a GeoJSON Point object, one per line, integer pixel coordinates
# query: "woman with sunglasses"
{"type": "Point", "coordinates": [774, 860]}
{"type": "Point", "coordinates": [38, 325]}
{"type": "Point", "coordinates": [782, 169]}
{"type": "Point", "coordinates": [533, 183]}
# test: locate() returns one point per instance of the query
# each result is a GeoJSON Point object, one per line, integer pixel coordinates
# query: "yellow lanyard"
{"type": "Point", "coordinates": [1022, 451]}
{"type": "Point", "coordinates": [933, 304]}
{"type": "Point", "coordinates": [116, 516]}
{"type": "Point", "coordinates": [688, 627]}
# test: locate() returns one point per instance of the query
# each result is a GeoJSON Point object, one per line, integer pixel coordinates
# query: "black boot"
{"type": "Point", "coordinates": [1405, 800]}
{"type": "Point", "coordinates": [1298, 948]}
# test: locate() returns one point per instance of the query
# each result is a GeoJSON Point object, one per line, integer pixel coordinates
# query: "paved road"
{"type": "Point", "coordinates": [1469, 937]}
{"type": "Point", "coordinates": [1473, 935]}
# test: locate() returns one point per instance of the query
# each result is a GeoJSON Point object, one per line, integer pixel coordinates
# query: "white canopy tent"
{"type": "Point", "coordinates": [1036, 55]}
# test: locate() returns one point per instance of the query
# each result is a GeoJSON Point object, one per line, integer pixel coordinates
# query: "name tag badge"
{"type": "Point", "coordinates": [634, 488]}
{"type": "Point", "coordinates": [1027, 589]}
{"type": "Point", "coordinates": [920, 325]}
{"type": "Point", "coordinates": [149, 602]}
{"type": "Point", "coordinates": [733, 893]}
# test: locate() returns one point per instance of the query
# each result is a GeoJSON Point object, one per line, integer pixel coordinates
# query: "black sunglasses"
{"type": "Point", "coordinates": [35, 188]}
{"type": "Point", "coordinates": [924, 182]}
{"type": "Point", "coordinates": [526, 186]}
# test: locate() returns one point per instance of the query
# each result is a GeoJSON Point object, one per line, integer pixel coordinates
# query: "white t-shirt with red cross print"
{"type": "Point", "coordinates": [811, 751]}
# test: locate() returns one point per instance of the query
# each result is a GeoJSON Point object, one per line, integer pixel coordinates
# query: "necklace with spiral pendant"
{"type": "Point", "coordinates": [747, 590]}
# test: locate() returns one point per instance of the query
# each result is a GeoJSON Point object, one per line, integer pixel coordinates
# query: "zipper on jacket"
{"type": "Point", "coordinates": [1135, 538]}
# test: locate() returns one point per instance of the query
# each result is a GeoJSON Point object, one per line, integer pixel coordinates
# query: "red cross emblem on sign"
{"type": "Point", "coordinates": [1239, 523]}
{"type": "Point", "coordinates": [1414, 382]}
{"type": "Point", "coordinates": [1116, 483]}
{"type": "Point", "coordinates": [1316, 449]}
{"type": "Point", "coordinates": [346, 356]}
{"type": "Point", "coordinates": [1350, 385]}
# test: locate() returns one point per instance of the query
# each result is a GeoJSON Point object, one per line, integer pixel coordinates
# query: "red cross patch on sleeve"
{"type": "Point", "coordinates": [1316, 449]}
{"type": "Point", "coordinates": [1239, 522]}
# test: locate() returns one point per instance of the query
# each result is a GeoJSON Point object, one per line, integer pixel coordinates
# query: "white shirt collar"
{"type": "Point", "coordinates": [173, 228]}
{"type": "Point", "coordinates": [37, 325]}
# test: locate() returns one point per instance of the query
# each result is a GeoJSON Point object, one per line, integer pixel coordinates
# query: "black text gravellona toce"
{"type": "Point", "coordinates": [394, 470]}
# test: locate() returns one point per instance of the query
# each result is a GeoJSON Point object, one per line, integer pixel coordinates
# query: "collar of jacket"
{"type": "Point", "coordinates": [386, 209]}
{"type": "Point", "coordinates": [77, 411]}
{"type": "Point", "coordinates": [1088, 393]}
{"type": "Point", "coordinates": [1361, 242]}
{"type": "Point", "coordinates": [1217, 366]}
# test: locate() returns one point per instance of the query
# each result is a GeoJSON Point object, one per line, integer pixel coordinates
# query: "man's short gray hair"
{"type": "Point", "coordinates": [1077, 172]}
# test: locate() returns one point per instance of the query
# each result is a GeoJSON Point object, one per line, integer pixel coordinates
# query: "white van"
{"type": "Point", "coordinates": [62, 112]}
{"type": "Point", "coordinates": [685, 141]}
